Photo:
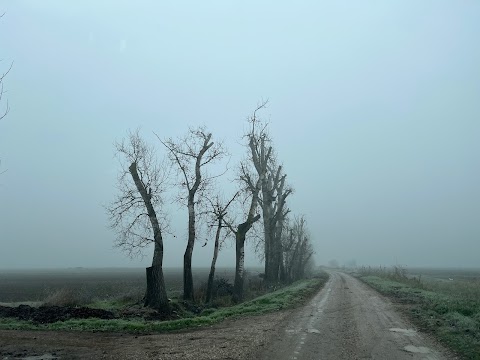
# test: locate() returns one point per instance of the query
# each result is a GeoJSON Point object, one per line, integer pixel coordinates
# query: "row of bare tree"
{"type": "Point", "coordinates": [138, 213]}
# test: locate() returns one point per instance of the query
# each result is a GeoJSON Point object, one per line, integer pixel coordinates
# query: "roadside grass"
{"type": "Point", "coordinates": [284, 298]}
{"type": "Point", "coordinates": [448, 309]}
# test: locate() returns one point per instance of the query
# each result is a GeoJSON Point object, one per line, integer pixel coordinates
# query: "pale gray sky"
{"type": "Point", "coordinates": [374, 110]}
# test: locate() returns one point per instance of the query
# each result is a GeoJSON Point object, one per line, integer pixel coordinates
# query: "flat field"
{"type": "Point", "coordinates": [450, 274]}
{"type": "Point", "coordinates": [36, 285]}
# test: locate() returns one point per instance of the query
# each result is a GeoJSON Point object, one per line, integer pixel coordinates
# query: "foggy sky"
{"type": "Point", "coordinates": [374, 111]}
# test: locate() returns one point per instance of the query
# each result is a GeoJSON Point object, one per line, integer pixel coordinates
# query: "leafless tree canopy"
{"type": "Point", "coordinates": [6, 108]}
{"type": "Point", "coordinates": [191, 154]}
{"type": "Point", "coordinates": [3, 74]}
{"type": "Point", "coordinates": [127, 212]}
{"type": "Point", "coordinates": [298, 249]}
{"type": "Point", "coordinates": [218, 211]}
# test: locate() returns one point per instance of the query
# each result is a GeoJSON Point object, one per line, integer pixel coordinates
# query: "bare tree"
{"type": "Point", "coordinates": [133, 215]}
{"type": "Point", "coordinates": [298, 250]}
{"type": "Point", "coordinates": [190, 155]}
{"type": "Point", "coordinates": [273, 193]}
{"type": "Point", "coordinates": [219, 211]}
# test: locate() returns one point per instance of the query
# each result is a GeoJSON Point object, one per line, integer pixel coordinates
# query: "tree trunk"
{"type": "Point", "coordinates": [293, 261]}
{"type": "Point", "coordinates": [278, 253]}
{"type": "Point", "coordinates": [156, 295]}
{"type": "Point", "coordinates": [283, 274]}
{"type": "Point", "coordinates": [239, 266]}
{"type": "Point", "coordinates": [187, 257]}
{"type": "Point", "coordinates": [211, 276]}
{"type": "Point", "coordinates": [187, 274]}
{"type": "Point", "coordinates": [274, 259]}
{"type": "Point", "coordinates": [267, 231]}
{"type": "Point", "coordinates": [269, 226]}
{"type": "Point", "coordinates": [277, 223]}
{"type": "Point", "coordinates": [240, 235]}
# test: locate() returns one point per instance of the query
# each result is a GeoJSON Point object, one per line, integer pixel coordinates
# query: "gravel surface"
{"type": "Point", "coordinates": [349, 320]}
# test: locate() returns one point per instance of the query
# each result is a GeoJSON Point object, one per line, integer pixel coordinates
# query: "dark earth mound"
{"type": "Point", "coordinates": [51, 314]}
{"type": "Point", "coordinates": [47, 314]}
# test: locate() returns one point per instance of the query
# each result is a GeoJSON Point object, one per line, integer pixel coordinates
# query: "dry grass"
{"type": "Point", "coordinates": [68, 297]}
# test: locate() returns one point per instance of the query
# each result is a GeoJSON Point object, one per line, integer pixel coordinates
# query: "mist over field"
{"type": "Point", "coordinates": [373, 110]}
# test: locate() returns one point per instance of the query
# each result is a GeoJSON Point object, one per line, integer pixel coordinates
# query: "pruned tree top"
{"type": "Point", "coordinates": [219, 206]}
{"type": "Point", "coordinates": [217, 212]}
{"type": "Point", "coordinates": [258, 139]}
{"type": "Point", "coordinates": [258, 127]}
{"type": "Point", "coordinates": [191, 153]}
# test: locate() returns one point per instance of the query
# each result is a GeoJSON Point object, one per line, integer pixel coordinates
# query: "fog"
{"type": "Point", "coordinates": [374, 110]}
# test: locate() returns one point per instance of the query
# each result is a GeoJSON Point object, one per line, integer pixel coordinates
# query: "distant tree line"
{"type": "Point", "coordinates": [260, 202]}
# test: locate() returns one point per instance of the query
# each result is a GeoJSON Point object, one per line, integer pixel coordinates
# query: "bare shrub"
{"type": "Point", "coordinates": [134, 296]}
{"type": "Point", "coordinates": [254, 286]}
{"type": "Point", "coordinates": [222, 301]}
{"type": "Point", "coordinates": [68, 297]}
{"type": "Point", "coordinates": [222, 291]}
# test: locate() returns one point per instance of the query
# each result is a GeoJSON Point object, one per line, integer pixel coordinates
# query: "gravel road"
{"type": "Point", "coordinates": [349, 320]}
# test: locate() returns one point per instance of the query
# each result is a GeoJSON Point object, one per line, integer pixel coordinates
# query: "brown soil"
{"type": "Point", "coordinates": [51, 314]}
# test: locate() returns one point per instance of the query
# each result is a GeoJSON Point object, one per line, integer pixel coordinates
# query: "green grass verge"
{"type": "Point", "coordinates": [284, 298]}
{"type": "Point", "coordinates": [452, 316]}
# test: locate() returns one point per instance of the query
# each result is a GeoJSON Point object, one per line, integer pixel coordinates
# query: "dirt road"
{"type": "Point", "coordinates": [234, 339]}
{"type": "Point", "coordinates": [348, 320]}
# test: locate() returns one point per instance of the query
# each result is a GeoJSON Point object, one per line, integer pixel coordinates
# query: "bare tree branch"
{"type": "Point", "coordinates": [2, 91]}
{"type": "Point", "coordinates": [127, 210]}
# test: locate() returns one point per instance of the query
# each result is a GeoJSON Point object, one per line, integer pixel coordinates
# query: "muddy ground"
{"type": "Point", "coordinates": [232, 339]}
{"type": "Point", "coordinates": [46, 314]}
